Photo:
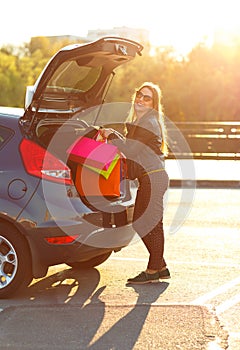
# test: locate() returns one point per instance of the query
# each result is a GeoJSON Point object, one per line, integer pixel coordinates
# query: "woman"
{"type": "Point", "coordinates": [145, 144]}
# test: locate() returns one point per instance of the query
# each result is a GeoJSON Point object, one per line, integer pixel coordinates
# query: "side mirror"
{"type": "Point", "coordinates": [29, 96]}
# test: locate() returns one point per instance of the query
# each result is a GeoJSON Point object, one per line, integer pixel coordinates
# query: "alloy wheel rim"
{"type": "Point", "coordinates": [8, 262]}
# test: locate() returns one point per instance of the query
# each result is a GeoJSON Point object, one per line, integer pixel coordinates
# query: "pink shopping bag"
{"type": "Point", "coordinates": [93, 153]}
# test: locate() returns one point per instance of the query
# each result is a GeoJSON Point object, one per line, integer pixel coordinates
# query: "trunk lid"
{"type": "Point", "coordinates": [77, 77]}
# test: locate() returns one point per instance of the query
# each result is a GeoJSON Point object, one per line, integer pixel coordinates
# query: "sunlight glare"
{"type": "Point", "coordinates": [189, 23]}
{"type": "Point", "coordinates": [180, 24]}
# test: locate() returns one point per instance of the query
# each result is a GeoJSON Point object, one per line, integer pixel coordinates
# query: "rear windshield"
{"type": "Point", "coordinates": [73, 78]}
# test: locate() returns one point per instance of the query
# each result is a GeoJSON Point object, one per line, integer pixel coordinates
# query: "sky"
{"type": "Point", "coordinates": [178, 23]}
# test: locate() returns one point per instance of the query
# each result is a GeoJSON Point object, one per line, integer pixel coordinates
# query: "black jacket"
{"type": "Point", "coordinates": [143, 142]}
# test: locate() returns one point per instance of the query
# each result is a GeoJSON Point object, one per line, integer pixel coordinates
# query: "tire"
{"type": "Point", "coordinates": [90, 263]}
{"type": "Point", "coordinates": [15, 261]}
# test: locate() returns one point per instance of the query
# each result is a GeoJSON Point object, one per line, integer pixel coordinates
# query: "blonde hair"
{"type": "Point", "coordinates": [157, 106]}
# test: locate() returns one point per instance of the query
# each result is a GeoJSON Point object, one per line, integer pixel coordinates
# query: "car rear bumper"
{"type": "Point", "coordinates": [89, 241]}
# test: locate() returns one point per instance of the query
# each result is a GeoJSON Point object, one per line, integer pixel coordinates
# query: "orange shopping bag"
{"type": "Point", "coordinates": [91, 183]}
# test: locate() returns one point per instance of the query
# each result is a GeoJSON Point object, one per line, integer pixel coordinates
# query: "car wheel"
{"type": "Point", "coordinates": [15, 261]}
{"type": "Point", "coordinates": [90, 263]}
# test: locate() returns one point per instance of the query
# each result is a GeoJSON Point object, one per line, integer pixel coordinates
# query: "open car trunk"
{"type": "Point", "coordinates": [58, 136]}
{"type": "Point", "coordinates": [65, 104]}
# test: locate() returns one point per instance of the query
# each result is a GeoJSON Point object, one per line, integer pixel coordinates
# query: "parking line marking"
{"type": "Point", "coordinates": [202, 300]}
{"type": "Point", "coordinates": [228, 304]}
{"type": "Point", "coordinates": [198, 263]}
{"type": "Point", "coordinates": [127, 259]}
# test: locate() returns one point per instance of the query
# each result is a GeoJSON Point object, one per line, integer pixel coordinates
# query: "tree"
{"type": "Point", "coordinates": [203, 86]}
{"type": "Point", "coordinates": [10, 81]}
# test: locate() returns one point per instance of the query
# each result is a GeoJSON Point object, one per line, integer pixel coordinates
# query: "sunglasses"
{"type": "Point", "coordinates": [146, 98]}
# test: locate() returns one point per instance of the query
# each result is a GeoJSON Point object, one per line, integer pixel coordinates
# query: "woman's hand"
{"type": "Point", "coordinates": [105, 132]}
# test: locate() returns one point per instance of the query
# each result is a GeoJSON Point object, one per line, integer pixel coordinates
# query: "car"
{"type": "Point", "coordinates": [44, 219]}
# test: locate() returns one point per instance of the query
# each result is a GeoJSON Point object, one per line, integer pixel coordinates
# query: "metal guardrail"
{"type": "Point", "coordinates": [204, 140]}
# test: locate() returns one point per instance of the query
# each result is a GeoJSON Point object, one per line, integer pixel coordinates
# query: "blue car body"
{"type": "Point", "coordinates": [43, 219]}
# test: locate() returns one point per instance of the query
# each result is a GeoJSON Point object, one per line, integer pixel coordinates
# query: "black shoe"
{"type": "Point", "coordinates": [165, 274]}
{"type": "Point", "coordinates": [144, 278]}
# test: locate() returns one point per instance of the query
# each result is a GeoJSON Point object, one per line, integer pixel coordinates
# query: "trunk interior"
{"type": "Point", "coordinates": [57, 135]}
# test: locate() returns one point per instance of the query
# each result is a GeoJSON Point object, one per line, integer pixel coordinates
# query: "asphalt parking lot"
{"type": "Point", "coordinates": [198, 308]}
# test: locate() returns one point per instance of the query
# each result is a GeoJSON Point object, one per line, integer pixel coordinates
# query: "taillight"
{"type": "Point", "coordinates": [41, 163]}
{"type": "Point", "coordinates": [61, 239]}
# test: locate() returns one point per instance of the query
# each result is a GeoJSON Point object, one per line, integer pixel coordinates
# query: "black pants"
{"type": "Point", "coordinates": [148, 216]}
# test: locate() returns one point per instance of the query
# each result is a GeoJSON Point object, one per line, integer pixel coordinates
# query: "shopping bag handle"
{"type": "Point", "coordinates": [98, 137]}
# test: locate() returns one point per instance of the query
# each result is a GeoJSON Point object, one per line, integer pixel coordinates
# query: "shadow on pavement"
{"type": "Point", "coordinates": [63, 311]}
{"type": "Point", "coordinates": [126, 331]}
{"type": "Point", "coordinates": [66, 286]}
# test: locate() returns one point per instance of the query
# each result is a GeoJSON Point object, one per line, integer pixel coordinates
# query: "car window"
{"type": "Point", "coordinates": [5, 135]}
{"type": "Point", "coordinates": [73, 78]}
{"type": "Point", "coordinates": [109, 113]}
